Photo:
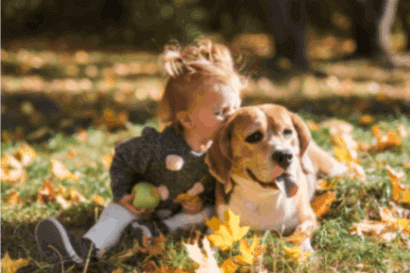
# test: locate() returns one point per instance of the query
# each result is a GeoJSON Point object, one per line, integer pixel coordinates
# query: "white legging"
{"type": "Point", "coordinates": [114, 219]}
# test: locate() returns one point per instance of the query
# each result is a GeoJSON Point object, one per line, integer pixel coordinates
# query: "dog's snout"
{"type": "Point", "coordinates": [282, 157]}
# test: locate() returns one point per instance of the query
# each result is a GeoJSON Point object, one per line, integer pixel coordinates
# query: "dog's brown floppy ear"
{"type": "Point", "coordinates": [219, 156]}
{"type": "Point", "coordinates": [304, 141]}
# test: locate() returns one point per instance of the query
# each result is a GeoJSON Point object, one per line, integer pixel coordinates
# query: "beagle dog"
{"type": "Point", "coordinates": [266, 164]}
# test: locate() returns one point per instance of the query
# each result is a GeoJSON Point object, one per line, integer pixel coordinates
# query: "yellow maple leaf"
{"type": "Point", "coordinates": [26, 154]}
{"type": "Point", "coordinates": [11, 266]}
{"type": "Point", "coordinates": [228, 266]}
{"type": "Point", "coordinates": [295, 254]}
{"type": "Point", "coordinates": [400, 192]}
{"type": "Point", "coordinates": [321, 204]}
{"type": "Point", "coordinates": [61, 171]}
{"type": "Point", "coordinates": [247, 251]}
{"type": "Point", "coordinates": [228, 233]}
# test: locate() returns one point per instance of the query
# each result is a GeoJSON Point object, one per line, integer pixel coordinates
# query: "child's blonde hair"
{"type": "Point", "coordinates": [191, 69]}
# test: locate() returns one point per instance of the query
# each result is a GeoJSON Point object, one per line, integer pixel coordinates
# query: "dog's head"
{"type": "Point", "coordinates": [265, 144]}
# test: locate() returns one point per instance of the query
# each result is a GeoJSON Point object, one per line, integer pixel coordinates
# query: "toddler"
{"type": "Point", "coordinates": [201, 93]}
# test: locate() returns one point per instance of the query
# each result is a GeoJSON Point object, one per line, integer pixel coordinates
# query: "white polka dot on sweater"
{"type": "Point", "coordinates": [174, 162]}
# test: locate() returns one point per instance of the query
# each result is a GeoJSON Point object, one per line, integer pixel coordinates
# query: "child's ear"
{"type": "Point", "coordinates": [184, 119]}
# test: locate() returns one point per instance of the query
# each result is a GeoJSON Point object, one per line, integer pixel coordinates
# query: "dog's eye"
{"type": "Point", "coordinates": [287, 132]}
{"type": "Point", "coordinates": [255, 137]}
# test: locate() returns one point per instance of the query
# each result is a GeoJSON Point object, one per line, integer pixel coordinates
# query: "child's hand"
{"type": "Point", "coordinates": [192, 207]}
{"type": "Point", "coordinates": [126, 201]}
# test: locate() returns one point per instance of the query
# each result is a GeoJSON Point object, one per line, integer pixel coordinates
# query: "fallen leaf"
{"type": "Point", "coordinates": [107, 160]}
{"type": "Point", "coordinates": [72, 153]}
{"type": "Point", "coordinates": [11, 169]}
{"type": "Point", "coordinates": [226, 233]}
{"type": "Point", "coordinates": [400, 224]}
{"type": "Point", "coordinates": [111, 120]}
{"type": "Point", "coordinates": [118, 270]}
{"type": "Point", "coordinates": [46, 193]}
{"type": "Point", "coordinates": [400, 192]}
{"type": "Point", "coordinates": [82, 136]}
{"type": "Point", "coordinates": [384, 142]}
{"type": "Point", "coordinates": [11, 266]}
{"type": "Point", "coordinates": [182, 197]}
{"type": "Point", "coordinates": [376, 130]}
{"type": "Point", "coordinates": [13, 197]}
{"type": "Point", "coordinates": [366, 119]}
{"type": "Point", "coordinates": [61, 171]}
{"type": "Point", "coordinates": [323, 185]}
{"type": "Point", "coordinates": [407, 165]}
{"type": "Point", "coordinates": [295, 254]}
{"type": "Point", "coordinates": [376, 229]}
{"type": "Point", "coordinates": [76, 196]}
{"type": "Point", "coordinates": [247, 251]}
{"type": "Point", "coordinates": [402, 131]}
{"type": "Point", "coordinates": [206, 263]}
{"type": "Point", "coordinates": [313, 126]}
{"type": "Point", "coordinates": [321, 204]}
{"type": "Point", "coordinates": [298, 237]}
{"type": "Point", "coordinates": [150, 267]}
{"type": "Point", "coordinates": [98, 200]}
{"type": "Point", "coordinates": [228, 266]}
{"type": "Point", "coordinates": [26, 154]}
{"type": "Point", "coordinates": [337, 127]}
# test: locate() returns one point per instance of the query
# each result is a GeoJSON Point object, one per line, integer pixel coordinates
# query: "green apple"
{"type": "Point", "coordinates": [146, 196]}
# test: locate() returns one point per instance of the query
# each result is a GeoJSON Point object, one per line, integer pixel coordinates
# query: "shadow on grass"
{"type": "Point", "coordinates": [60, 115]}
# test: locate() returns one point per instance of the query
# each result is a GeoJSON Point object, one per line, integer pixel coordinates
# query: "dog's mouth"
{"type": "Point", "coordinates": [266, 185]}
{"type": "Point", "coordinates": [283, 183]}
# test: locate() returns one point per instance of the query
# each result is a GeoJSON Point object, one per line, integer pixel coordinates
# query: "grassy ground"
{"type": "Point", "coordinates": [336, 249]}
{"type": "Point", "coordinates": [48, 97]}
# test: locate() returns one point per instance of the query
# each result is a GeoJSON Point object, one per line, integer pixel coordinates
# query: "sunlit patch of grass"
{"type": "Point", "coordinates": [336, 249]}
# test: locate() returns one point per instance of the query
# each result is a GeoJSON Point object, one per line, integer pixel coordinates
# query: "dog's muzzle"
{"type": "Point", "coordinates": [282, 157]}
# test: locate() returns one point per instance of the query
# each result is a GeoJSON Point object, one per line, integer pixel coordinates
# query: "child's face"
{"type": "Point", "coordinates": [209, 112]}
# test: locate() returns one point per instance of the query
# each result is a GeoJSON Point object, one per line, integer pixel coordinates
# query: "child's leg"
{"type": "Point", "coordinates": [53, 238]}
{"type": "Point", "coordinates": [113, 221]}
{"type": "Point", "coordinates": [184, 220]}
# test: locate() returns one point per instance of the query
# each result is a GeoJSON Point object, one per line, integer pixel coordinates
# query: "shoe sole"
{"type": "Point", "coordinates": [50, 232]}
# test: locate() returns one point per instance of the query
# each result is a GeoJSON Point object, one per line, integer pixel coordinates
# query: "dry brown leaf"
{"type": "Point", "coordinates": [321, 204]}
{"type": "Point", "coordinates": [46, 193]}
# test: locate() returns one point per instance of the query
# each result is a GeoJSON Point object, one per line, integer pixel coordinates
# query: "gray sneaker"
{"type": "Point", "coordinates": [52, 237]}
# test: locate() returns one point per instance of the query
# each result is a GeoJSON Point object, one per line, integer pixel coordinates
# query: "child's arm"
{"type": "Point", "coordinates": [130, 162]}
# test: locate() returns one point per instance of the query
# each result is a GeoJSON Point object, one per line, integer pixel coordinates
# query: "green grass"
{"type": "Point", "coordinates": [336, 250]}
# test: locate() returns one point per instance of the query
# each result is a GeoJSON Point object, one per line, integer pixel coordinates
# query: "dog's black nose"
{"type": "Point", "coordinates": [282, 157]}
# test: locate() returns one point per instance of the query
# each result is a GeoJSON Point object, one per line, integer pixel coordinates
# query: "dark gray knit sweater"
{"type": "Point", "coordinates": [144, 159]}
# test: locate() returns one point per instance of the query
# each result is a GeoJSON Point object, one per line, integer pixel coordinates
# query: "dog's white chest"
{"type": "Point", "coordinates": [261, 210]}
